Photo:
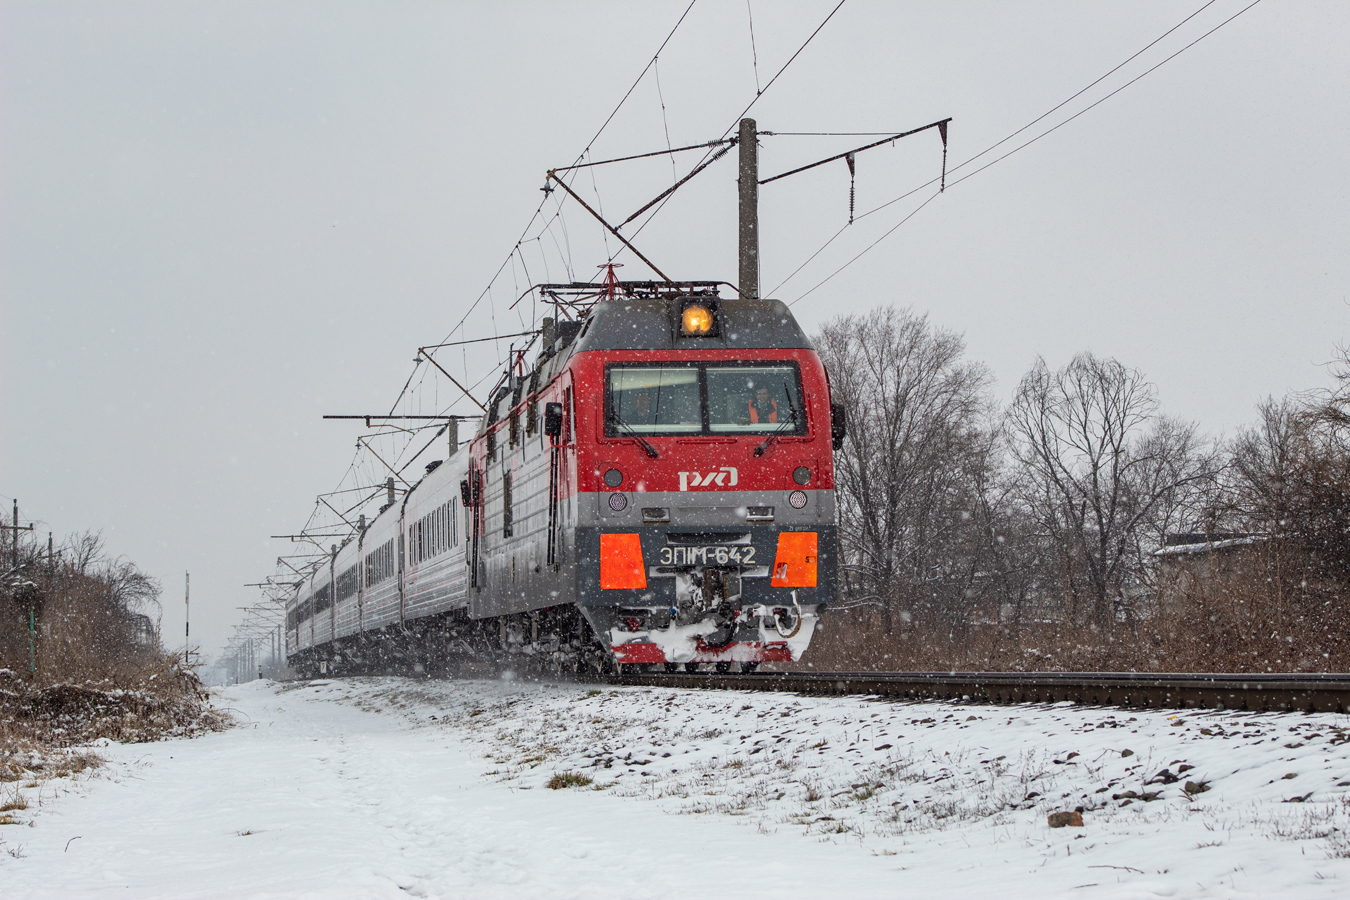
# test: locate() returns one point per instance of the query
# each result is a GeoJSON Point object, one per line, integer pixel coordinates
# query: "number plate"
{"type": "Point", "coordinates": [709, 555]}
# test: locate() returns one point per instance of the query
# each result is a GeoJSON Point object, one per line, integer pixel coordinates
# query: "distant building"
{"type": "Point", "coordinates": [1184, 558]}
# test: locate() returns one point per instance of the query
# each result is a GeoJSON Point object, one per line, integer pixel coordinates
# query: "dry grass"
{"type": "Point", "coordinates": [79, 668]}
{"type": "Point", "coordinates": [65, 714]}
{"type": "Point", "coordinates": [1270, 610]}
{"type": "Point", "coordinates": [568, 780]}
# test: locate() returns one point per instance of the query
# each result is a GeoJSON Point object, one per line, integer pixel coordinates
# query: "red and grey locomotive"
{"type": "Point", "coordinates": [657, 489]}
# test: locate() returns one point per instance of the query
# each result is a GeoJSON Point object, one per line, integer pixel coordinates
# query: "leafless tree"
{"type": "Point", "coordinates": [918, 444]}
{"type": "Point", "coordinates": [129, 588]}
{"type": "Point", "coordinates": [1263, 468]}
{"type": "Point", "coordinates": [1103, 476]}
{"type": "Point", "coordinates": [83, 551]}
{"type": "Point", "coordinates": [1293, 473]}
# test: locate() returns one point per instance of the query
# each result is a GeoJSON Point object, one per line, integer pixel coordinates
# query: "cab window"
{"type": "Point", "coordinates": [654, 399]}
{"type": "Point", "coordinates": [754, 399]}
{"type": "Point", "coordinates": [730, 398]}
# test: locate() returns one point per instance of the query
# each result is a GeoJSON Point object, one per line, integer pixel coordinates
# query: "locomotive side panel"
{"type": "Point", "coordinates": [526, 558]}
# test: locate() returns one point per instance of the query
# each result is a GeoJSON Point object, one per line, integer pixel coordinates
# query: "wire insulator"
{"type": "Point", "coordinates": [852, 177]}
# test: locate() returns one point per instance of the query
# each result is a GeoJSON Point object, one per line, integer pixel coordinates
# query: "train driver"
{"type": "Point", "coordinates": [762, 409]}
{"type": "Point", "coordinates": [642, 413]}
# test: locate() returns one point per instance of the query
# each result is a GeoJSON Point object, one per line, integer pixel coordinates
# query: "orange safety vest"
{"type": "Point", "coordinates": [754, 413]}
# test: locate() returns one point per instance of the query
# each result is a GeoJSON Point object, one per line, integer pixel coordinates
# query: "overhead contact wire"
{"type": "Point", "coordinates": [1023, 146]}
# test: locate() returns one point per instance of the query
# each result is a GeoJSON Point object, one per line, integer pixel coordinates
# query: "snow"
{"type": "Point", "coordinates": [390, 787]}
{"type": "Point", "coordinates": [1210, 546]}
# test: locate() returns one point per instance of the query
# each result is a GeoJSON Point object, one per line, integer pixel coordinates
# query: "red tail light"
{"type": "Point", "coordinates": [795, 563]}
{"type": "Point", "coordinates": [621, 562]}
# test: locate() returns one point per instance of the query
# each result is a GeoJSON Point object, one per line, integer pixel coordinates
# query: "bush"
{"type": "Point", "coordinates": [79, 658]}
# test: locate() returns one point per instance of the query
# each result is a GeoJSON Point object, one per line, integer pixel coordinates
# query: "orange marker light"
{"type": "Point", "coordinates": [696, 320]}
{"type": "Point", "coordinates": [621, 562]}
{"type": "Point", "coordinates": [795, 563]}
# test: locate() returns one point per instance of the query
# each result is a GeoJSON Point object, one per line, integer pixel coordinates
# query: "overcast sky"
{"type": "Point", "coordinates": [220, 221]}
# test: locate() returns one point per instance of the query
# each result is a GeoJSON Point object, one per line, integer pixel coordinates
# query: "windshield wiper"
{"type": "Point", "coordinates": [790, 423]}
{"type": "Point", "coordinates": [619, 423]}
{"type": "Point", "coordinates": [786, 426]}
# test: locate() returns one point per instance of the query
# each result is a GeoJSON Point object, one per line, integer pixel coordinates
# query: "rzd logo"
{"type": "Point", "coordinates": [717, 477]}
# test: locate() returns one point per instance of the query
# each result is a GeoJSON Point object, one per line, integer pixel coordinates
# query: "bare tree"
{"type": "Point", "coordinates": [1322, 490]}
{"type": "Point", "coordinates": [1292, 472]}
{"type": "Point", "coordinates": [918, 444]}
{"type": "Point", "coordinates": [83, 551]}
{"type": "Point", "coordinates": [1103, 475]}
{"type": "Point", "coordinates": [1263, 467]}
{"type": "Point", "coordinates": [130, 589]}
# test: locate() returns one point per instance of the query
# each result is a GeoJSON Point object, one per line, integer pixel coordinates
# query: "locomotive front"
{"type": "Point", "coordinates": [706, 526]}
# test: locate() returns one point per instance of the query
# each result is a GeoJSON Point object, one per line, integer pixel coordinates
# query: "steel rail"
{"type": "Point", "coordinates": [1217, 691]}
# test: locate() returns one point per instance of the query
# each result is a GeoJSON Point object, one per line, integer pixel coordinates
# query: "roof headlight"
{"type": "Point", "coordinates": [696, 320]}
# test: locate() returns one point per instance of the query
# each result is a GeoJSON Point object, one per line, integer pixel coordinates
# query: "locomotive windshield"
{"type": "Point", "coordinates": [754, 399]}
{"type": "Point", "coordinates": [704, 399]}
{"type": "Point", "coordinates": [652, 400]}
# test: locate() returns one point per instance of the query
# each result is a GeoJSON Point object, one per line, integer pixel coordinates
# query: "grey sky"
{"type": "Point", "coordinates": [223, 220]}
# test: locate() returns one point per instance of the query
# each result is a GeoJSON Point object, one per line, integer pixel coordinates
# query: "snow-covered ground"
{"type": "Point", "coordinates": [389, 787]}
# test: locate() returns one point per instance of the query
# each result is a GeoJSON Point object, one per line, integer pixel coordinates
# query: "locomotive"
{"type": "Point", "coordinates": [657, 490]}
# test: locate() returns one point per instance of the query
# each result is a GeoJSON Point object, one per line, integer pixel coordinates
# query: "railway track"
{"type": "Point", "coordinates": [1306, 693]}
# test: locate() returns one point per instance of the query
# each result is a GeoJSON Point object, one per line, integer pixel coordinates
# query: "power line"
{"type": "Point", "coordinates": [790, 61]}
{"type": "Point", "coordinates": [754, 54]}
{"type": "Point", "coordinates": [1020, 146]}
{"type": "Point", "coordinates": [827, 133]}
{"type": "Point", "coordinates": [1089, 87]}
{"type": "Point", "coordinates": [914, 213]}
{"type": "Point", "coordinates": [525, 233]}
{"type": "Point", "coordinates": [1110, 95]}
{"type": "Point", "coordinates": [735, 123]}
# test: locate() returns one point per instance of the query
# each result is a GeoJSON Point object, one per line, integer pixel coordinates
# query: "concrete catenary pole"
{"type": "Point", "coordinates": [749, 210]}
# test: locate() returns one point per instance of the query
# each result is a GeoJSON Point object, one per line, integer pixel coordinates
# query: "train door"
{"type": "Point", "coordinates": [567, 465]}
{"type": "Point", "coordinates": [332, 593]}
{"type": "Point", "coordinates": [554, 460]}
{"type": "Point", "coordinates": [402, 569]}
{"type": "Point", "coordinates": [475, 500]}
